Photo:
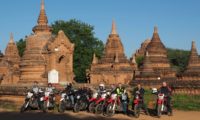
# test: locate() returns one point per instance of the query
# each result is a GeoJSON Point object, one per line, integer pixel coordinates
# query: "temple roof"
{"type": "Point", "coordinates": [42, 26]}
{"type": "Point", "coordinates": [11, 52]}
{"type": "Point", "coordinates": [156, 46]}
{"type": "Point", "coordinates": [194, 62]}
{"type": "Point", "coordinates": [114, 46]}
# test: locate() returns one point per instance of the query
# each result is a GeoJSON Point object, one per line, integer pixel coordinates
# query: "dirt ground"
{"type": "Point", "coordinates": [8, 115]}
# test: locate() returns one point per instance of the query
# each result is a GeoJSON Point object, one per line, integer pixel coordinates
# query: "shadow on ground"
{"type": "Point", "coordinates": [47, 116]}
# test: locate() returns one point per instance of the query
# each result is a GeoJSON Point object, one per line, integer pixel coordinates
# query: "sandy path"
{"type": "Point", "coordinates": [178, 115]}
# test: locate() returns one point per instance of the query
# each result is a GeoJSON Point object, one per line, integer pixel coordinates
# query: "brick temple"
{"type": "Point", "coordinates": [46, 59]}
{"type": "Point", "coordinates": [113, 67]}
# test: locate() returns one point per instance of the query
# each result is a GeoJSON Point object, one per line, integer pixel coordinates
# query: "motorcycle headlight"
{"type": "Point", "coordinates": [78, 96]}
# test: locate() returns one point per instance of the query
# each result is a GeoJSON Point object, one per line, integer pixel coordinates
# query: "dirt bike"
{"type": "Point", "coordinates": [161, 104]}
{"type": "Point", "coordinates": [81, 103]}
{"type": "Point", "coordinates": [137, 102]}
{"type": "Point", "coordinates": [65, 102]}
{"type": "Point", "coordinates": [113, 104]}
{"type": "Point", "coordinates": [48, 101]}
{"type": "Point", "coordinates": [100, 103]}
{"type": "Point", "coordinates": [92, 100]}
{"type": "Point", "coordinates": [32, 101]}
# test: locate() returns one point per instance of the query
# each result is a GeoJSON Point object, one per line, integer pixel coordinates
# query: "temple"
{"type": "Point", "coordinates": [192, 71]}
{"type": "Point", "coordinates": [156, 64]}
{"type": "Point", "coordinates": [113, 67]}
{"type": "Point", "coordinates": [46, 59]}
{"type": "Point", "coordinates": [9, 64]}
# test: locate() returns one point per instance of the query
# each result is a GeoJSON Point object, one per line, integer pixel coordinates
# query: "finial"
{"type": "Point", "coordinates": [11, 38]}
{"type": "Point", "coordinates": [94, 61]}
{"type": "Point", "coordinates": [113, 31]}
{"type": "Point", "coordinates": [42, 4]}
{"type": "Point", "coordinates": [193, 44]}
{"type": "Point", "coordinates": [155, 29]}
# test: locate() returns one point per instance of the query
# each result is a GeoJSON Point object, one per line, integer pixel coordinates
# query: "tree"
{"type": "Point", "coordinates": [178, 58]}
{"type": "Point", "coordinates": [139, 60]}
{"type": "Point", "coordinates": [86, 44]}
{"type": "Point", "coordinates": [21, 45]}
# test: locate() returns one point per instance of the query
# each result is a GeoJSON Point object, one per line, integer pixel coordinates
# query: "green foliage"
{"type": "Point", "coordinates": [21, 45]}
{"type": "Point", "coordinates": [86, 44]}
{"type": "Point", "coordinates": [139, 60]}
{"type": "Point", "coordinates": [178, 58]}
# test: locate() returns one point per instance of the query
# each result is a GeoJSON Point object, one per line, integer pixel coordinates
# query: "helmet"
{"type": "Point", "coordinates": [101, 85]}
{"type": "Point", "coordinates": [49, 84]}
{"type": "Point", "coordinates": [154, 90]}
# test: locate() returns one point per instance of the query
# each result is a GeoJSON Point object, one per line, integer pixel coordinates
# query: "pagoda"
{"type": "Point", "coordinates": [192, 71]}
{"type": "Point", "coordinates": [156, 60]}
{"type": "Point", "coordinates": [113, 67]}
{"type": "Point", "coordinates": [9, 64]}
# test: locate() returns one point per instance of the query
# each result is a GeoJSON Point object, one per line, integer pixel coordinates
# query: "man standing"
{"type": "Point", "coordinates": [140, 92]}
{"type": "Point", "coordinates": [166, 90]}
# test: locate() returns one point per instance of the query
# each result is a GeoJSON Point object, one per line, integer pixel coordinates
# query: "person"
{"type": "Point", "coordinates": [119, 90]}
{"type": "Point", "coordinates": [35, 88]}
{"type": "Point", "coordinates": [112, 88]}
{"type": "Point", "coordinates": [101, 89]}
{"type": "Point", "coordinates": [166, 90]}
{"type": "Point", "coordinates": [139, 90]}
{"type": "Point", "coordinates": [125, 102]}
{"type": "Point", "coordinates": [70, 92]}
{"type": "Point", "coordinates": [50, 88]}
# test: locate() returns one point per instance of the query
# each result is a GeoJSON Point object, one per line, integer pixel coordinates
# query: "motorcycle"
{"type": "Point", "coordinates": [48, 101]}
{"type": "Point", "coordinates": [65, 102]}
{"type": "Point", "coordinates": [100, 103]}
{"type": "Point", "coordinates": [32, 101]}
{"type": "Point", "coordinates": [113, 104]}
{"type": "Point", "coordinates": [81, 103]}
{"type": "Point", "coordinates": [137, 105]}
{"type": "Point", "coordinates": [92, 100]}
{"type": "Point", "coordinates": [161, 104]}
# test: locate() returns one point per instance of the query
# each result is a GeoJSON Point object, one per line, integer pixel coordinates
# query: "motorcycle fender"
{"type": "Point", "coordinates": [135, 101]}
{"type": "Point", "coordinates": [159, 102]}
{"type": "Point", "coordinates": [27, 104]}
{"type": "Point", "coordinates": [61, 99]}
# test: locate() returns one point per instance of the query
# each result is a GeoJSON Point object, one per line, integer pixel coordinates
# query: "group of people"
{"type": "Point", "coordinates": [117, 89]}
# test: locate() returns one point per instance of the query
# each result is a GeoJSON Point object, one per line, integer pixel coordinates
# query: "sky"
{"type": "Point", "coordinates": [178, 21]}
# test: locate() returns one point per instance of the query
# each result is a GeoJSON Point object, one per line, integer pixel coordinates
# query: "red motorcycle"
{"type": "Point", "coordinates": [100, 103]}
{"type": "Point", "coordinates": [161, 104]}
{"type": "Point", "coordinates": [92, 102]}
{"type": "Point", "coordinates": [112, 105]}
{"type": "Point", "coordinates": [137, 104]}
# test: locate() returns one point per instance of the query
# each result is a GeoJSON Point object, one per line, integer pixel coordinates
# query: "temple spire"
{"type": "Point", "coordinates": [42, 19]}
{"type": "Point", "coordinates": [155, 29]}
{"type": "Point", "coordinates": [95, 60]}
{"type": "Point", "coordinates": [11, 38]}
{"type": "Point", "coordinates": [42, 26]}
{"type": "Point", "coordinates": [113, 30]}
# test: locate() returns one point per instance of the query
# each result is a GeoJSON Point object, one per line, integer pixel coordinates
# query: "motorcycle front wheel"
{"type": "Point", "coordinates": [99, 109]}
{"type": "Point", "coordinates": [77, 107]}
{"type": "Point", "coordinates": [136, 111]}
{"type": "Point", "coordinates": [61, 107]}
{"type": "Point", "coordinates": [91, 107]}
{"type": "Point", "coordinates": [110, 111]}
{"type": "Point", "coordinates": [23, 108]}
{"type": "Point", "coordinates": [159, 112]}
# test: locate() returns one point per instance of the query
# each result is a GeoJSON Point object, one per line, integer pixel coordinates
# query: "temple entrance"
{"type": "Point", "coordinates": [61, 66]}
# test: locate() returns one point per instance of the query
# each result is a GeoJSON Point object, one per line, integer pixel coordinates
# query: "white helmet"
{"type": "Point", "coordinates": [101, 85]}
{"type": "Point", "coordinates": [154, 90]}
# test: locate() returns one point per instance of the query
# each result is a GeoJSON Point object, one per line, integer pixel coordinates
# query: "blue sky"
{"type": "Point", "coordinates": [178, 21]}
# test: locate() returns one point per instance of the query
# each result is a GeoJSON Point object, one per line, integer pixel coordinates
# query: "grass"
{"type": "Point", "coordinates": [179, 101]}
{"type": "Point", "coordinates": [7, 105]}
